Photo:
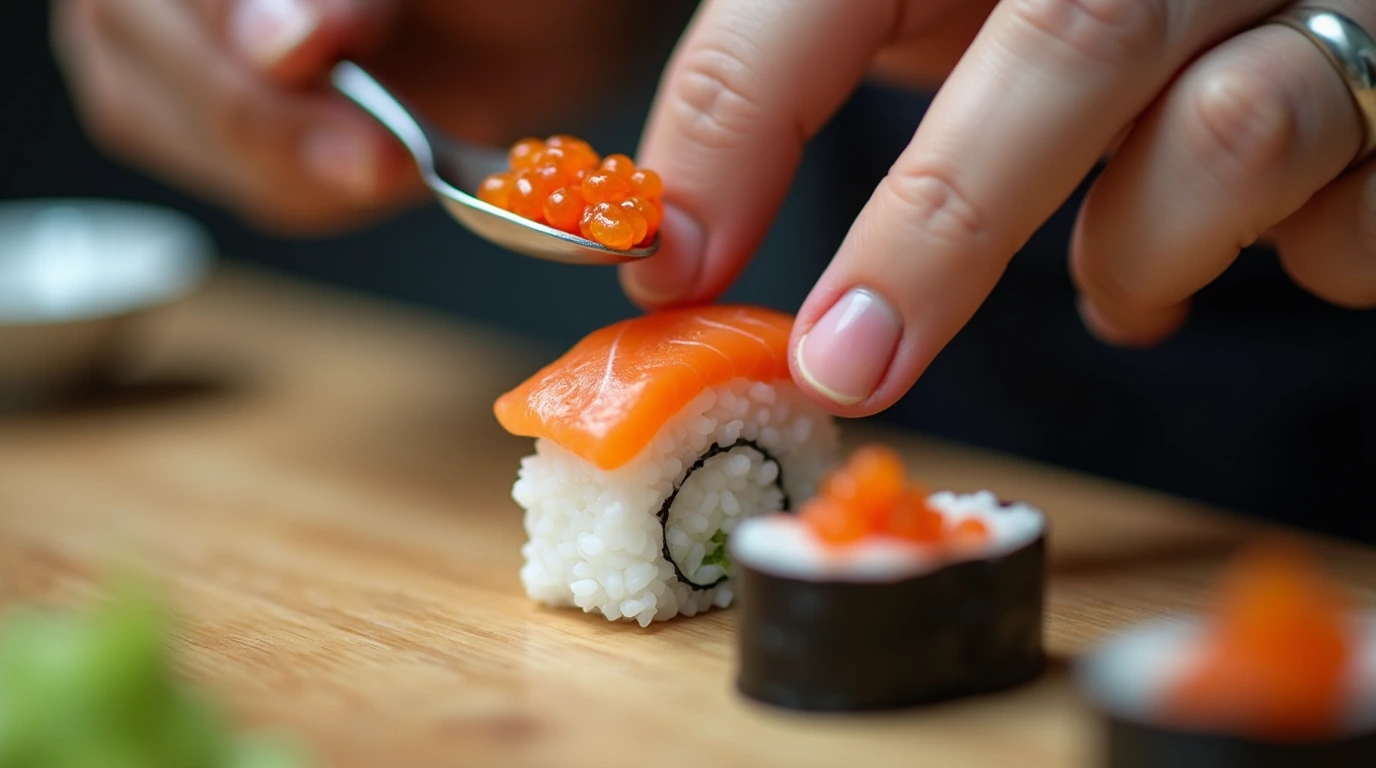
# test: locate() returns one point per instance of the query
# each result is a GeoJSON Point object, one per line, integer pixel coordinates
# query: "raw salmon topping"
{"type": "Point", "coordinates": [1276, 653]}
{"type": "Point", "coordinates": [562, 182]}
{"type": "Point", "coordinates": [871, 495]}
{"type": "Point", "coordinates": [608, 397]}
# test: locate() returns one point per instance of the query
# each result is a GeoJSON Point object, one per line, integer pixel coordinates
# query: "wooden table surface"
{"type": "Point", "coordinates": [319, 486]}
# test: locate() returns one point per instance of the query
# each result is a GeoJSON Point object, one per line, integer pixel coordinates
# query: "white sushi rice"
{"type": "Point", "coordinates": [784, 545]}
{"type": "Point", "coordinates": [594, 537]}
{"type": "Point", "coordinates": [1130, 673]}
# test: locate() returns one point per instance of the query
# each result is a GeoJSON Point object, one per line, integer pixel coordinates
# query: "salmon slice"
{"type": "Point", "coordinates": [609, 395]}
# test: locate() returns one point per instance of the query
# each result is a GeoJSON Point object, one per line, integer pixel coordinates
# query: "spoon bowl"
{"type": "Point", "coordinates": [449, 166]}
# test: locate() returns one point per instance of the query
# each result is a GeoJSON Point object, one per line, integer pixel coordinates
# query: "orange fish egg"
{"type": "Point", "coordinates": [969, 532]}
{"type": "Point", "coordinates": [552, 176]}
{"type": "Point", "coordinates": [568, 161]}
{"type": "Point", "coordinates": [646, 183]}
{"type": "Point", "coordinates": [606, 223]}
{"type": "Point", "coordinates": [833, 522]}
{"type": "Point", "coordinates": [637, 222]}
{"type": "Point", "coordinates": [564, 208]}
{"type": "Point", "coordinates": [619, 164]}
{"type": "Point", "coordinates": [563, 140]}
{"type": "Point", "coordinates": [877, 480]}
{"type": "Point", "coordinates": [523, 153]}
{"type": "Point", "coordinates": [580, 153]}
{"type": "Point", "coordinates": [914, 520]}
{"type": "Point", "coordinates": [1276, 655]}
{"type": "Point", "coordinates": [496, 190]}
{"type": "Point", "coordinates": [647, 211]}
{"type": "Point", "coordinates": [527, 196]}
{"type": "Point", "coordinates": [605, 187]}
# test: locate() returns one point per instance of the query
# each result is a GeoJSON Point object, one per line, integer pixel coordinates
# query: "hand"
{"type": "Point", "coordinates": [226, 97]}
{"type": "Point", "coordinates": [1219, 130]}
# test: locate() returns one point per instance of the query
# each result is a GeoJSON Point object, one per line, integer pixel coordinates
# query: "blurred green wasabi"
{"type": "Point", "coordinates": [99, 691]}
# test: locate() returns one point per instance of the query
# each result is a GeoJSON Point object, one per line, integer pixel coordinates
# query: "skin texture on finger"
{"type": "Point", "coordinates": [296, 42]}
{"type": "Point", "coordinates": [287, 158]}
{"type": "Point", "coordinates": [748, 86]}
{"type": "Point", "coordinates": [1243, 139]}
{"type": "Point", "coordinates": [1329, 246]}
{"type": "Point", "coordinates": [129, 117]}
{"type": "Point", "coordinates": [942, 33]}
{"type": "Point", "coordinates": [1023, 118]}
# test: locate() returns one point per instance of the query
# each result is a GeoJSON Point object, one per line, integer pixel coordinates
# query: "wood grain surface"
{"type": "Point", "coordinates": [317, 483]}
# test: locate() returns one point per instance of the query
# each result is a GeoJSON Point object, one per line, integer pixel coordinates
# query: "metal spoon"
{"type": "Point", "coordinates": [450, 166]}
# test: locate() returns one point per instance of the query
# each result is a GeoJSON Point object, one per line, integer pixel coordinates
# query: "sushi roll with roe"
{"type": "Point", "coordinates": [655, 437]}
{"type": "Point", "coordinates": [880, 595]}
{"type": "Point", "coordinates": [1281, 673]}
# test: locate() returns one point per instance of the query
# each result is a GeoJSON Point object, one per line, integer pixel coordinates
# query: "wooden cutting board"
{"type": "Point", "coordinates": [318, 485]}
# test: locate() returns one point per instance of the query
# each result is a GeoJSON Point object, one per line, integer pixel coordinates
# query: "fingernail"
{"type": "Point", "coordinates": [672, 273]}
{"type": "Point", "coordinates": [343, 158]}
{"type": "Point", "coordinates": [846, 353]}
{"type": "Point", "coordinates": [267, 30]}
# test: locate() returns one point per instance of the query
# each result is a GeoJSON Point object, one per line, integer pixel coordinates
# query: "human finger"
{"type": "Point", "coordinates": [1023, 118]}
{"type": "Point", "coordinates": [1243, 139]}
{"type": "Point", "coordinates": [1329, 246]}
{"type": "Point", "coordinates": [293, 143]}
{"type": "Point", "coordinates": [296, 42]}
{"type": "Point", "coordinates": [749, 85]}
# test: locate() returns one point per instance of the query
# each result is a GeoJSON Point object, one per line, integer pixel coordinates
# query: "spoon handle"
{"type": "Point", "coordinates": [364, 90]}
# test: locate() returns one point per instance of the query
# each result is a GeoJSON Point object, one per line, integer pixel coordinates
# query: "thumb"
{"type": "Point", "coordinates": [294, 42]}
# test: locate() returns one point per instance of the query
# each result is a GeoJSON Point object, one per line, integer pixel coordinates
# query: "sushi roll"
{"type": "Point", "coordinates": [880, 595]}
{"type": "Point", "coordinates": [1282, 673]}
{"type": "Point", "coordinates": [654, 437]}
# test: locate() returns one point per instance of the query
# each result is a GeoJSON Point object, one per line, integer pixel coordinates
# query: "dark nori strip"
{"type": "Point", "coordinates": [1133, 744]}
{"type": "Point", "coordinates": [967, 628]}
{"type": "Point", "coordinates": [664, 508]}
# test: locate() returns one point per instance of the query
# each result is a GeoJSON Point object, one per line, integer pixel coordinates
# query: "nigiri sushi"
{"type": "Point", "coordinates": [1281, 673]}
{"type": "Point", "coordinates": [654, 437]}
{"type": "Point", "coordinates": [879, 595]}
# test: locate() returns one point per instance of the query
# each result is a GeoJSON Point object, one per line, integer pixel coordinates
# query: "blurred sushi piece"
{"type": "Point", "coordinates": [880, 595]}
{"type": "Point", "coordinates": [655, 437]}
{"type": "Point", "coordinates": [1281, 673]}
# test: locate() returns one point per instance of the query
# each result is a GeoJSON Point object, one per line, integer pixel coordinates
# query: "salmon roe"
{"type": "Point", "coordinates": [562, 182]}
{"type": "Point", "coordinates": [1276, 654]}
{"type": "Point", "coordinates": [871, 495]}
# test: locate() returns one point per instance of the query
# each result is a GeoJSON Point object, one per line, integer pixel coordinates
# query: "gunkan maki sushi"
{"type": "Point", "coordinates": [1282, 673]}
{"type": "Point", "coordinates": [880, 595]}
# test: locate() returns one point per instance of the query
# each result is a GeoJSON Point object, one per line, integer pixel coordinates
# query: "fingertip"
{"type": "Point", "coordinates": [1145, 330]}
{"type": "Point", "coordinates": [271, 34]}
{"type": "Point", "coordinates": [673, 275]}
{"type": "Point", "coordinates": [845, 360]}
{"type": "Point", "coordinates": [294, 42]}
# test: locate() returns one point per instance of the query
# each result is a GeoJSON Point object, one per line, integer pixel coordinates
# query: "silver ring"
{"type": "Point", "coordinates": [1352, 51]}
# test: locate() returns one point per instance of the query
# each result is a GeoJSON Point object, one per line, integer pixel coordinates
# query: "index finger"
{"type": "Point", "coordinates": [1023, 118]}
{"type": "Point", "coordinates": [748, 86]}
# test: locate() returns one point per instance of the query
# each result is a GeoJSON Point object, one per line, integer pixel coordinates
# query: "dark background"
{"type": "Point", "coordinates": [1265, 403]}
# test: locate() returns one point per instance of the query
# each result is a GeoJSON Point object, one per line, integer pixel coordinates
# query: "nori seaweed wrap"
{"type": "Point", "coordinates": [1282, 675]}
{"type": "Point", "coordinates": [881, 622]}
